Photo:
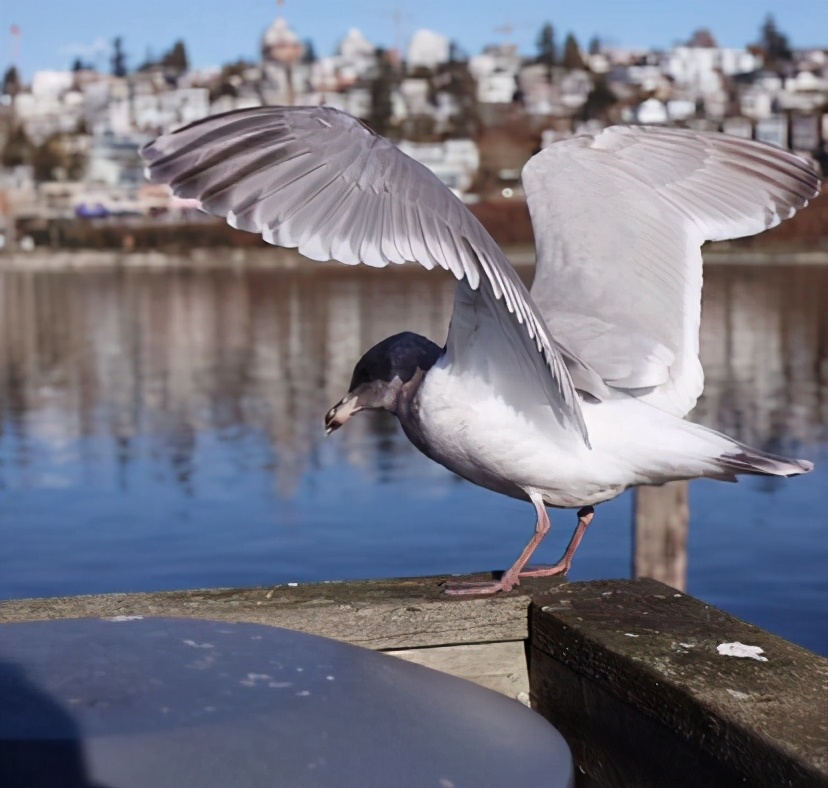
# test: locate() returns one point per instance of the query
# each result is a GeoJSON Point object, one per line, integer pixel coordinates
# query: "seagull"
{"type": "Point", "coordinates": [564, 395]}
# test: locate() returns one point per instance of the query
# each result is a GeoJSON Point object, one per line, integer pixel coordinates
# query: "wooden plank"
{"type": "Point", "coordinates": [376, 614]}
{"type": "Point", "coordinates": [497, 666]}
{"type": "Point", "coordinates": [631, 673]}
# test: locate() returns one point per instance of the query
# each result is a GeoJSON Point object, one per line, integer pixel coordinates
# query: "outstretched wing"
{"type": "Point", "coordinates": [319, 180]}
{"type": "Point", "coordinates": [619, 220]}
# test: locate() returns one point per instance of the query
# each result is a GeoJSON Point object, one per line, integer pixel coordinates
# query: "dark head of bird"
{"type": "Point", "coordinates": [384, 374]}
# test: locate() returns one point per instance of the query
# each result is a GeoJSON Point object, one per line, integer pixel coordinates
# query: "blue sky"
{"type": "Point", "coordinates": [54, 32]}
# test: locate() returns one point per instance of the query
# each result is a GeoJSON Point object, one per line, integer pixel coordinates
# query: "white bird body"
{"type": "Point", "coordinates": [566, 395]}
{"type": "Point", "coordinates": [470, 428]}
{"type": "Point", "coordinates": [487, 440]}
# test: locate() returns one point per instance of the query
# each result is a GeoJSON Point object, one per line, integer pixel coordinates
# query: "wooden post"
{"type": "Point", "coordinates": [662, 517]}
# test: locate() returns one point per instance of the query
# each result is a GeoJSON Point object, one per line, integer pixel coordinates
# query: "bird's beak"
{"type": "Point", "coordinates": [340, 413]}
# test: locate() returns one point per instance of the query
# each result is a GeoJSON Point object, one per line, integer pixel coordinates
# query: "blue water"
{"type": "Point", "coordinates": [163, 430]}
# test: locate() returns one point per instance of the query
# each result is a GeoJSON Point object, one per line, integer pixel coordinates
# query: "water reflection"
{"type": "Point", "coordinates": [214, 382]}
{"type": "Point", "coordinates": [764, 346]}
{"type": "Point", "coordinates": [172, 354]}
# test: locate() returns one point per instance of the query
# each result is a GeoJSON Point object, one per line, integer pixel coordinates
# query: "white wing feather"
{"type": "Point", "coordinates": [619, 219]}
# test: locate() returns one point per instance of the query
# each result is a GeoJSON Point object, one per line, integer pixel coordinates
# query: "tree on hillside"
{"type": "Point", "coordinates": [18, 148]}
{"type": "Point", "coordinates": [236, 69]}
{"type": "Point", "coordinates": [456, 53]}
{"type": "Point", "coordinates": [58, 158]}
{"type": "Point", "coordinates": [547, 49]}
{"type": "Point", "coordinates": [599, 100]}
{"type": "Point", "coordinates": [48, 159]}
{"type": "Point", "coordinates": [702, 39]}
{"type": "Point", "coordinates": [176, 59]}
{"type": "Point", "coordinates": [774, 44]}
{"type": "Point", "coordinates": [572, 57]}
{"type": "Point", "coordinates": [11, 81]}
{"type": "Point", "coordinates": [382, 88]}
{"type": "Point", "coordinates": [459, 83]}
{"type": "Point", "coordinates": [118, 60]}
{"type": "Point", "coordinates": [309, 55]}
{"type": "Point", "coordinates": [594, 46]}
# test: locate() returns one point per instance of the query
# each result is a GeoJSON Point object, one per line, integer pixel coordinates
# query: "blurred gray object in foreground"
{"type": "Point", "coordinates": [92, 703]}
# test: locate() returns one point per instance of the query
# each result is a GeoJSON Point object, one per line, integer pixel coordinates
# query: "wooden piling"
{"type": "Point", "coordinates": [662, 519]}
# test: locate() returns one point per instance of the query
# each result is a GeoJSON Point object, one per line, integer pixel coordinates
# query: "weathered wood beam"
{"type": "Point", "coordinates": [631, 674]}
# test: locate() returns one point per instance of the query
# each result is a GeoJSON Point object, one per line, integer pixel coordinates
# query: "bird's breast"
{"type": "Point", "coordinates": [474, 432]}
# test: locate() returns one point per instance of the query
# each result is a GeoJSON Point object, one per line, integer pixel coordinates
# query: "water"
{"type": "Point", "coordinates": [162, 429]}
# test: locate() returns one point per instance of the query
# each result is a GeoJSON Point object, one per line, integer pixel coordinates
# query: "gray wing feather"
{"type": "Point", "coordinates": [619, 220]}
{"type": "Point", "coordinates": [319, 180]}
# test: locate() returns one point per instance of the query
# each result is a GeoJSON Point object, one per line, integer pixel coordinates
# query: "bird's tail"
{"type": "Point", "coordinates": [662, 448]}
{"type": "Point", "coordinates": [741, 459]}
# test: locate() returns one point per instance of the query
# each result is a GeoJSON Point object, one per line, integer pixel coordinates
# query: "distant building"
{"type": "Point", "coordinates": [354, 48]}
{"type": "Point", "coordinates": [773, 130]}
{"type": "Point", "coordinates": [170, 109]}
{"type": "Point", "coordinates": [651, 112]}
{"type": "Point", "coordinates": [428, 49]}
{"type": "Point", "coordinates": [454, 162]}
{"type": "Point", "coordinates": [496, 72]}
{"type": "Point", "coordinates": [354, 64]}
{"type": "Point", "coordinates": [699, 85]}
{"type": "Point", "coordinates": [702, 67]}
{"type": "Point", "coordinates": [51, 106]}
{"type": "Point", "coordinates": [285, 76]}
{"type": "Point", "coordinates": [281, 45]}
{"type": "Point", "coordinates": [738, 127]}
{"type": "Point", "coordinates": [114, 161]}
{"type": "Point", "coordinates": [415, 93]}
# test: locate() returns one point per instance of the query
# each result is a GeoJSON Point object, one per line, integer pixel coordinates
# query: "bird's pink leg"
{"type": "Point", "coordinates": [511, 578]}
{"type": "Point", "coordinates": [585, 516]}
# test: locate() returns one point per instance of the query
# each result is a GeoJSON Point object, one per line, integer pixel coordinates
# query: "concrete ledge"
{"type": "Point", "coordinates": [630, 673]}
{"type": "Point", "coordinates": [482, 639]}
{"type": "Point", "coordinates": [375, 614]}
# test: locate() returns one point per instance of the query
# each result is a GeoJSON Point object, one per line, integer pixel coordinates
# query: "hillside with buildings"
{"type": "Point", "coordinates": [69, 141]}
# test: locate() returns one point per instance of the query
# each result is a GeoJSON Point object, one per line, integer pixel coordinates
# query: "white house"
{"type": "Point", "coordinates": [495, 84]}
{"type": "Point", "coordinates": [651, 111]}
{"type": "Point", "coordinates": [454, 162]}
{"type": "Point", "coordinates": [428, 49]}
{"type": "Point", "coordinates": [700, 67]}
{"type": "Point", "coordinates": [415, 92]}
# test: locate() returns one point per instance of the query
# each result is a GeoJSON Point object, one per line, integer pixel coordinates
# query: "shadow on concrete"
{"type": "Point", "coordinates": [40, 744]}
